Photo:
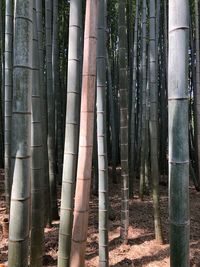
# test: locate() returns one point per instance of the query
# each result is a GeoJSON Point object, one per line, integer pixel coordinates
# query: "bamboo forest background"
{"type": "Point", "coordinates": [97, 98]}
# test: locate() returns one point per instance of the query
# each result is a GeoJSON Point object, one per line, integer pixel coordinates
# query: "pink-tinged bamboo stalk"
{"type": "Point", "coordinates": [80, 224]}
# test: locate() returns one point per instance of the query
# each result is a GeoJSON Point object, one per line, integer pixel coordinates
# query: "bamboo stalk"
{"type": "Point", "coordinates": [71, 133]}
{"type": "Point", "coordinates": [154, 123]}
{"type": "Point", "coordinates": [8, 98]}
{"type": "Point", "coordinates": [37, 169]}
{"type": "Point", "coordinates": [123, 88]}
{"type": "Point", "coordinates": [51, 110]}
{"type": "Point", "coordinates": [101, 137]}
{"type": "Point", "coordinates": [21, 135]}
{"type": "Point", "coordinates": [82, 194]}
{"type": "Point", "coordinates": [133, 108]}
{"type": "Point", "coordinates": [143, 102]}
{"type": "Point", "coordinates": [197, 87]}
{"type": "Point", "coordinates": [39, 12]}
{"type": "Point", "coordinates": [178, 132]}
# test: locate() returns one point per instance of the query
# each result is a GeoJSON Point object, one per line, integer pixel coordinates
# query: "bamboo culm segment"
{"type": "Point", "coordinates": [123, 89]}
{"type": "Point", "coordinates": [197, 88]}
{"type": "Point", "coordinates": [143, 100]}
{"type": "Point", "coordinates": [133, 109]}
{"type": "Point", "coordinates": [71, 133]}
{"type": "Point", "coordinates": [8, 98]}
{"type": "Point", "coordinates": [57, 92]}
{"type": "Point", "coordinates": [153, 125]}
{"type": "Point", "coordinates": [178, 132]}
{"type": "Point", "coordinates": [112, 119]}
{"type": "Point", "coordinates": [80, 224]}
{"type": "Point", "coordinates": [101, 136]}
{"type": "Point", "coordinates": [43, 110]}
{"type": "Point", "coordinates": [37, 168]}
{"type": "Point", "coordinates": [21, 135]}
{"type": "Point", "coordinates": [51, 111]}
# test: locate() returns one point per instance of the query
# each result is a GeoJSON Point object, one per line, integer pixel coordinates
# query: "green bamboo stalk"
{"type": "Point", "coordinates": [143, 100]}
{"type": "Point", "coordinates": [95, 174]}
{"type": "Point", "coordinates": [130, 32]}
{"type": "Point", "coordinates": [197, 86]}
{"type": "Point", "coordinates": [82, 194]}
{"type": "Point", "coordinates": [123, 88]}
{"type": "Point", "coordinates": [51, 110]}
{"type": "Point", "coordinates": [157, 14]}
{"type": "Point", "coordinates": [162, 70]}
{"type": "Point", "coordinates": [101, 136]}
{"type": "Point", "coordinates": [166, 34]}
{"type": "Point", "coordinates": [2, 82]}
{"type": "Point", "coordinates": [153, 125]}
{"type": "Point", "coordinates": [37, 170]}
{"type": "Point", "coordinates": [8, 98]}
{"type": "Point", "coordinates": [71, 133]}
{"type": "Point", "coordinates": [21, 135]}
{"type": "Point", "coordinates": [178, 132]}
{"type": "Point", "coordinates": [39, 18]}
{"type": "Point", "coordinates": [115, 78]}
{"type": "Point", "coordinates": [133, 109]}
{"type": "Point", "coordinates": [146, 129]}
{"type": "Point", "coordinates": [57, 91]}
{"type": "Point", "coordinates": [64, 23]}
{"type": "Point", "coordinates": [139, 93]}
{"type": "Point", "coordinates": [112, 119]}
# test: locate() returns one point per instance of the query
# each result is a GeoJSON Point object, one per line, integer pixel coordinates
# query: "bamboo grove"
{"type": "Point", "coordinates": [96, 93]}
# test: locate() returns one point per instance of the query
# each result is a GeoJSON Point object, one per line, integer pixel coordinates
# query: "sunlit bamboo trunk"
{"type": "Point", "coordinates": [71, 133]}
{"type": "Point", "coordinates": [21, 135]}
{"type": "Point", "coordinates": [101, 136]}
{"type": "Point", "coordinates": [80, 225]}
{"type": "Point", "coordinates": [178, 132]}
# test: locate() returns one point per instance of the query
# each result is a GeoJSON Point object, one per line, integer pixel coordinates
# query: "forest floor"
{"type": "Point", "coordinates": [142, 250]}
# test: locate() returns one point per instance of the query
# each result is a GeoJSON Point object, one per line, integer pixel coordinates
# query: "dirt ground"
{"type": "Point", "coordinates": [142, 250]}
